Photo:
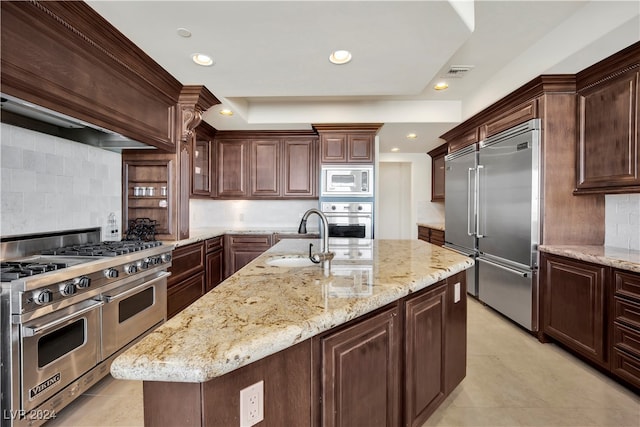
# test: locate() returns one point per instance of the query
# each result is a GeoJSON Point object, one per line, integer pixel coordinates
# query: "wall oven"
{"type": "Point", "coordinates": [349, 219]}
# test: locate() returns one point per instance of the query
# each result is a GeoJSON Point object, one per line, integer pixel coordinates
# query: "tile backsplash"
{"type": "Point", "coordinates": [53, 184]}
{"type": "Point", "coordinates": [622, 221]}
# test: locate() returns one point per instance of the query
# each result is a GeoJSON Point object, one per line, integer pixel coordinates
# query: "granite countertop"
{"type": "Point", "coordinates": [263, 309]}
{"type": "Point", "coordinates": [625, 259]}
{"type": "Point", "coordinates": [200, 234]}
{"type": "Point", "coordinates": [434, 225]}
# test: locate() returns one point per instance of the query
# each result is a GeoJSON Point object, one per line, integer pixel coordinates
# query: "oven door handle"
{"type": "Point", "coordinates": [111, 298]}
{"type": "Point", "coordinates": [31, 331]}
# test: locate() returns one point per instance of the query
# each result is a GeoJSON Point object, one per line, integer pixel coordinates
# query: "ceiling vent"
{"type": "Point", "coordinates": [457, 71]}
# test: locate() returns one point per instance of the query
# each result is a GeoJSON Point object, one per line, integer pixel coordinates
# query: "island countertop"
{"type": "Point", "coordinates": [263, 309]}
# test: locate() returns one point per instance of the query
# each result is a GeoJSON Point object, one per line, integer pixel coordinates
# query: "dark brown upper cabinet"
{"type": "Point", "coordinates": [608, 158]}
{"type": "Point", "coordinates": [347, 143]}
{"type": "Point", "coordinates": [66, 57]}
{"type": "Point", "coordinates": [266, 165]}
{"type": "Point", "coordinates": [437, 172]}
{"type": "Point", "coordinates": [203, 155]}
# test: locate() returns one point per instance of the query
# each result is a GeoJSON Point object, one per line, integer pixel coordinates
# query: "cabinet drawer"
{"type": "Point", "coordinates": [251, 239]}
{"type": "Point", "coordinates": [183, 294]}
{"type": "Point", "coordinates": [186, 261]}
{"type": "Point", "coordinates": [627, 284]}
{"type": "Point", "coordinates": [627, 339]}
{"type": "Point", "coordinates": [626, 366]}
{"type": "Point", "coordinates": [627, 312]}
{"type": "Point", "coordinates": [213, 244]}
{"type": "Point", "coordinates": [423, 233]}
{"type": "Point", "coordinates": [437, 237]}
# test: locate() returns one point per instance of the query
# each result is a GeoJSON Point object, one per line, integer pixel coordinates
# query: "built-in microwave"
{"type": "Point", "coordinates": [347, 180]}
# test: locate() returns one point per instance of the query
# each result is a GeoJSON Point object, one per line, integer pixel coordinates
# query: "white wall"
{"type": "Point", "coordinates": [420, 206]}
{"type": "Point", "coordinates": [53, 184]}
{"type": "Point", "coordinates": [622, 221]}
{"type": "Point", "coordinates": [394, 188]}
{"type": "Point", "coordinates": [243, 214]}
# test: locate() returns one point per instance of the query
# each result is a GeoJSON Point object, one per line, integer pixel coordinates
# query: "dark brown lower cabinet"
{"type": "Point", "coordinates": [625, 346]}
{"type": "Point", "coordinates": [187, 281]}
{"type": "Point", "coordinates": [241, 249]}
{"type": "Point", "coordinates": [574, 305]}
{"type": "Point", "coordinates": [215, 262]}
{"type": "Point", "coordinates": [431, 235]}
{"type": "Point", "coordinates": [360, 373]}
{"type": "Point", "coordinates": [391, 367]}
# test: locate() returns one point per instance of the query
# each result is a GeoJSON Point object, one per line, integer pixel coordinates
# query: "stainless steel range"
{"type": "Point", "coordinates": [70, 304]}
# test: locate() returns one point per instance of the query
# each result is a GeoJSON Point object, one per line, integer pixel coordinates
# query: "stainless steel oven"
{"type": "Point", "coordinates": [58, 348]}
{"type": "Point", "coordinates": [70, 304]}
{"type": "Point", "coordinates": [131, 310]}
{"type": "Point", "coordinates": [349, 219]}
{"type": "Point", "coordinates": [346, 180]}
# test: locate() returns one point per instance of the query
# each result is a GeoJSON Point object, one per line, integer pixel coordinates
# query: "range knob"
{"type": "Point", "coordinates": [111, 273]}
{"type": "Point", "coordinates": [68, 288]}
{"type": "Point", "coordinates": [42, 297]}
{"type": "Point", "coordinates": [130, 268]}
{"type": "Point", "coordinates": [84, 282]}
{"type": "Point", "coordinates": [165, 257]}
{"type": "Point", "coordinates": [143, 264]}
{"type": "Point", "coordinates": [154, 260]}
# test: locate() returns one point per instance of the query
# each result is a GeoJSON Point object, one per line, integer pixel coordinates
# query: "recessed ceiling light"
{"type": "Point", "coordinates": [340, 57]}
{"type": "Point", "coordinates": [183, 32]}
{"type": "Point", "coordinates": [226, 112]}
{"type": "Point", "coordinates": [441, 86]}
{"type": "Point", "coordinates": [394, 149]}
{"type": "Point", "coordinates": [202, 59]}
{"type": "Point", "coordinates": [412, 136]}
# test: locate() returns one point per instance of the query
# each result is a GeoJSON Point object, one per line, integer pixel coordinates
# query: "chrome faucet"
{"type": "Point", "coordinates": [325, 256]}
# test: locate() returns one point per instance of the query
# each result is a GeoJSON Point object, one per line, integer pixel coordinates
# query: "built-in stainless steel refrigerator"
{"type": "Point", "coordinates": [499, 202]}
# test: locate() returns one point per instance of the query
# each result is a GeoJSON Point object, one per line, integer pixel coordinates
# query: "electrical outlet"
{"type": "Point", "coordinates": [252, 404]}
{"type": "Point", "coordinates": [456, 292]}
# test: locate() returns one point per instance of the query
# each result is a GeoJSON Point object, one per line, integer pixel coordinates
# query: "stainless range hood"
{"type": "Point", "coordinates": [24, 114]}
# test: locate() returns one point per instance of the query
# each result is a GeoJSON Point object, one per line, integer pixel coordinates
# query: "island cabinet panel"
{"type": "Point", "coordinates": [425, 336]}
{"type": "Point", "coordinates": [625, 346]}
{"type": "Point", "coordinates": [575, 305]}
{"type": "Point", "coordinates": [455, 366]}
{"type": "Point", "coordinates": [216, 403]}
{"type": "Point", "coordinates": [608, 154]}
{"type": "Point", "coordinates": [241, 249]}
{"type": "Point", "coordinates": [265, 168]}
{"type": "Point", "coordinates": [360, 373]}
{"type": "Point", "coordinates": [187, 281]}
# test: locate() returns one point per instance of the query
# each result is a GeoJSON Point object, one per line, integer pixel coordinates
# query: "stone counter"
{"type": "Point", "coordinates": [625, 259]}
{"type": "Point", "coordinates": [200, 234]}
{"type": "Point", "coordinates": [263, 309]}
{"type": "Point", "coordinates": [434, 225]}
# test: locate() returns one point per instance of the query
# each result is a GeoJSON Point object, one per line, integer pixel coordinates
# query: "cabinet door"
{"type": "Point", "coordinates": [232, 168]}
{"type": "Point", "coordinates": [425, 386]}
{"type": "Point", "coordinates": [265, 168]}
{"type": "Point", "coordinates": [184, 293]}
{"type": "Point", "coordinates": [437, 183]}
{"type": "Point", "coordinates": [187, 281]}
{"type": "Point", "coordinates": [574, 305]}
{"type": "Point", "coordinates": [360, 148]}
{"type": "Point", "coordinates": [215, 263]}
{"type": "Point", "coordinates": [201, 167]}
{"type": "Point", "coordinates": [241, 249]}
{"type": "Point", "coordinates": [608, 153]}
{"type": "Point", "coordinates": [333, 148]}
{"type": "Point", "coordinates": [455, 364]}
{"type": "Point", "coordinates": [423, 233]}
{"type": "Point", "coordinates": [360, 373]}
{"type": "Point", "coordinates": [300, 173]}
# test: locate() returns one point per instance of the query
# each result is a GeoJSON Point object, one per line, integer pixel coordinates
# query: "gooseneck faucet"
{"type": "Point", "coordinates": [325, 256]}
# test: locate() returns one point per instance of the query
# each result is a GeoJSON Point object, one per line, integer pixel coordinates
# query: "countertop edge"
{"type": "Point", "coordinates": [625, 259]}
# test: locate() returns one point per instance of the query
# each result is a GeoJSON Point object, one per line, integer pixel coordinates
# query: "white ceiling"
{"type": "Point", "coordinates": [271, 57]}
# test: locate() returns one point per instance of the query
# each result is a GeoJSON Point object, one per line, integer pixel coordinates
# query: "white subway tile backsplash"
{"type": "Point", "coordinates": [53, 184]}
{"type": "Point", "coordinates": [622, 221]}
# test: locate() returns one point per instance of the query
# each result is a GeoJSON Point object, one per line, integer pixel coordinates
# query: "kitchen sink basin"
{"type": "Point", "coordinates": [290, 261]}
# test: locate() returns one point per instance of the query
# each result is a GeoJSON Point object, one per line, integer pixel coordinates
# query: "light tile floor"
{"type": "Point", "coordinates": [512, 380]}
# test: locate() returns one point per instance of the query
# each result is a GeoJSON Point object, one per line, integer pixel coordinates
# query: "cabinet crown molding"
{"type": "Point", "coordinates": [347, 127]}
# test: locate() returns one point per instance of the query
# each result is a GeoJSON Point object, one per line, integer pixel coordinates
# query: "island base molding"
{"type": "Point", "coordinates": [391, 367]}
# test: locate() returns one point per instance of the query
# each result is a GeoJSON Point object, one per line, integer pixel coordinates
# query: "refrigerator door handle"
{"type": "Point", "coordinates": [478, 206]}
{"type": "Point", "coordinates": [511, 270]}
{"type": "Point", "coordinates": [470, 206]}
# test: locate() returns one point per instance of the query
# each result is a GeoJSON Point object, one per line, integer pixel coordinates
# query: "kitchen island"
{"type": "Point", "coordinates": [387, 320]}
